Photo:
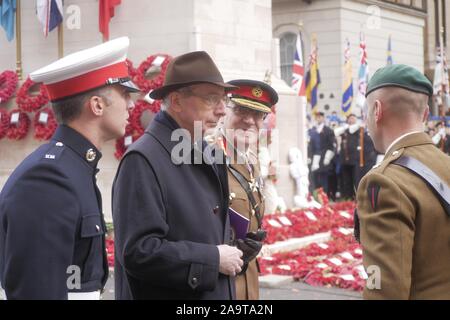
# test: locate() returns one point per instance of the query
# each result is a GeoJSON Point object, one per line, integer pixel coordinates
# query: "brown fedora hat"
{"type": "Point", "coordinates": [188, 69]}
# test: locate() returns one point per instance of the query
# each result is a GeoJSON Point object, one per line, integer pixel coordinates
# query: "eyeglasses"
{"type": "Point", "coordinates": [245, 112]}
{"type": "Point", "coordinates": [211, 100]}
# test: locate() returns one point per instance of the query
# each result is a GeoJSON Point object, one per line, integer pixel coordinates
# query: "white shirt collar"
{"type": "Point", "coordinates": [319, 127]}
{"type": "Point", "coordinates": [398, 139]}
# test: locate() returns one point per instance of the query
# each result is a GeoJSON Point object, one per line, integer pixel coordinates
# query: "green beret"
{"type": "Point", "coordinates": [402, 76]}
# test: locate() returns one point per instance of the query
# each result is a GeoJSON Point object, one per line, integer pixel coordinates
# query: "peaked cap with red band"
{"type": "Point", "coordinates": [86, 70]}
{"type": "Point", "coordinates": [253, 94]}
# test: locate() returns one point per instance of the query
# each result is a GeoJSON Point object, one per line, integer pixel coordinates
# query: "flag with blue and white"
{"type": "Point", "coordinates": [50, 14]}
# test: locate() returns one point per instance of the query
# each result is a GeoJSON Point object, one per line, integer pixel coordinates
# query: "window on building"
{"type": "Point", "coordinates": [287, 51]}
{"type": "Point", "coordinates": [412, 4]}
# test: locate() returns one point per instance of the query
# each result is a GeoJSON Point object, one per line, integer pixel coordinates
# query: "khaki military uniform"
{"type": "Point", "coordinates": [404, 229]}
{"type": "Point", "coordinates": [247, 286]}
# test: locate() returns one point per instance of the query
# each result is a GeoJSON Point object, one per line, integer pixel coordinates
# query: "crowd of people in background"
{"type": "Point", "coordinates": [340, 152]}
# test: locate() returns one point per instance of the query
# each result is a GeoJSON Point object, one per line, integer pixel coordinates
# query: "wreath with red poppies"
{"type": "Point", "coordinates": [149, 84]}
{"type": "Point", "coordinates": [135, 129]}
{"type": "Point", "coordinates": [4, 122]}
{"type": "Point", "coordinates": [30, 103]}
{"type": "Point", "coordinates": [44, 124]}
{"type": "Point", "coordinates": [130, 136]}
{"type": "Point", "coordinates": [8, 84]}
{"type": "Point", "coordinates": [19, 130]}
{"type": "Point", "coordinates": [131, 69]}
{"type": "Point", "coordinates": [139, 108]}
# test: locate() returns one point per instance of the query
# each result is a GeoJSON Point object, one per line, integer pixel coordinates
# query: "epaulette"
{"type": "Point", "coordinates": [388, 159]}
{"type": "Point", "coordinates": [54, 151]}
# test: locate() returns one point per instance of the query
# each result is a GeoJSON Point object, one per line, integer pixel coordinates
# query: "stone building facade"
{"type": "Point", "coordinates": [246, 38]}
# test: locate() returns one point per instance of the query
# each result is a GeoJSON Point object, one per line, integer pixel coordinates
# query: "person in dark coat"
{"type": "Point", "coordinates": [170, 199]}
{"type": "Point", "coordinates": [51, 221]}
{"type": "Point", "coordinates": [321, 151]}
{"type": "Point", "coordinates": [354, 162]}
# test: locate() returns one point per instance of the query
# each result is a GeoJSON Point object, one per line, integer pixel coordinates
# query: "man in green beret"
{"type": "Point", "coordinates": [404, 202]}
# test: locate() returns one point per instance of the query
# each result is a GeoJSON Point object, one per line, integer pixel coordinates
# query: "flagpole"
{"type": "Point", "coordinates": [18, 41]}
{"type": "Point", "coordinates": [443, 107]}
{"type": "Point", "coordinates": [61, 40]}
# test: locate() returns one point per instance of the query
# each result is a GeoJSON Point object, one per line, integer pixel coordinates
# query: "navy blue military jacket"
{"type": "Point", "coordinates": [168, 220]}
{"type": "Point", "coordinates": [350, 149]}
{"type": "Point", "coordinates": [51, 222]}
{"type": "Point", "coordinates": [320, 143]}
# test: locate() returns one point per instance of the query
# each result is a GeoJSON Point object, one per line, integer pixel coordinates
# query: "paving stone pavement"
{"type": "Point", "coordinates": [289, 291]}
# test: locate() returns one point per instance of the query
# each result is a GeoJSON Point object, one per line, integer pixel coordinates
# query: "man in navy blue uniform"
{"type": "Point", "coordinates": [51, 221]}
{"type": "Point", "coordinates": [321, 151]}
{"type": "Point", "coordinates": [170, 203]}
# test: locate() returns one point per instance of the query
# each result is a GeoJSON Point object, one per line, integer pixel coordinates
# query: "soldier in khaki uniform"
{"type": "Point", "coordinates": [238, 137]}
{"type": "Point", "coordinates": [403, 203]}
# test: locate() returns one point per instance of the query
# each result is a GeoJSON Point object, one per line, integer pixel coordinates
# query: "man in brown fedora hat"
{"type": "Point", "coordinates": [170, 210]}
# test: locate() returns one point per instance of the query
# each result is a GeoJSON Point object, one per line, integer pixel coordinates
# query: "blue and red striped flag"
{"type": "Point", "coordinates": [298, 68]}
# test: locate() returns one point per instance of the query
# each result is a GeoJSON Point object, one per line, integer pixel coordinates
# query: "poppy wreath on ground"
{"type": "Point", "coordinates": [140, 79]}
{"type": "Point", "coordinates": [8, 84]}
{"type": "Point", "coordinates": [4, 122]}
{"type": "Point", "coordinates": [18, 130]}
{"type": "Point", "coordinates": [31, 103]}
{"type": "Point", "coordinates": [44, 124]}
{"type": "Point", "coordinates": [299, 223]}
{"type": "Point", "coordinates": [337, 262]}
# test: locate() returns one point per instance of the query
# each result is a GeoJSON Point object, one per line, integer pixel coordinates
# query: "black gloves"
{"type": "Point", "coordinates": [250, 247]}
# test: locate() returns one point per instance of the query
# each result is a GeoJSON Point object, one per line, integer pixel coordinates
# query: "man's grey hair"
{"type": "Point", "coordinates": [165, 103]}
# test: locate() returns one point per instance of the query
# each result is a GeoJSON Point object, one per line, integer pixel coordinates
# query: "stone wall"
{"type": "Point", "coordinates": [237, 34]}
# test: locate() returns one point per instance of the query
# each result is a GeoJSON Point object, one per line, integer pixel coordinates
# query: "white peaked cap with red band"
{"type": "Point", "coordinates": [88, 69]}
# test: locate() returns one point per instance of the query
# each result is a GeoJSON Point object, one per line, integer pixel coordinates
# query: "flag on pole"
{"type": "Point", "coordinates": [347, 96]}
{"type": "Point", "coordinates": [50, 14]}
{"type": "Point", "coordinates": [390, 60]}
{"type": "Point", "coordinates": [313, 77]}
{"type": "Point", "coordinates": [441, 89]}
{"type": "Point", "coordinates": [7, 17]}
{"type": "Point", "coordinates": [298, 69]}
{"type": "Point", "coordinates": [363, 74]}
{"type": "Point", "coordinates": [106, 12]}
{"type": "Point", "coordinates": [446, 84]}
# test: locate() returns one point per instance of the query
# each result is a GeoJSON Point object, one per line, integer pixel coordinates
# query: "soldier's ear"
{"type": "Point", "coordinates": [378, 111]}
{"type": "Point", "coordinates": [96, 105]}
